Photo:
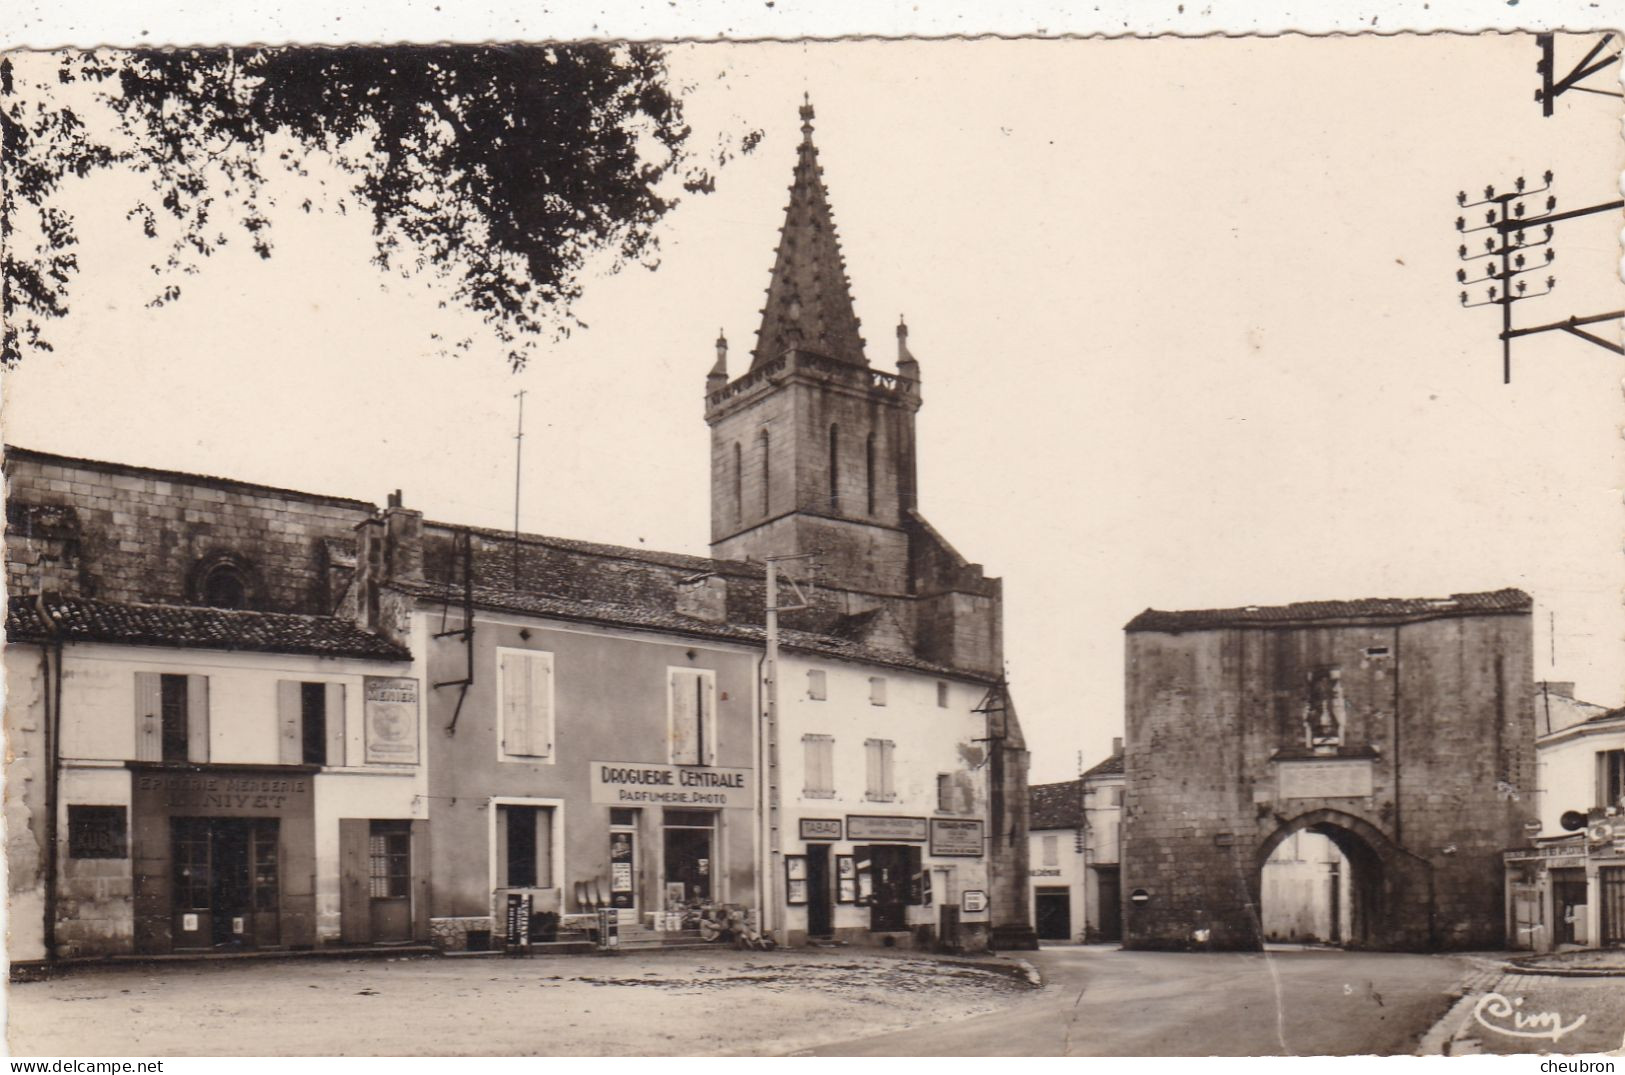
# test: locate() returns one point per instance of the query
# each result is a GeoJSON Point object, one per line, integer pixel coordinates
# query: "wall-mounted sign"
{"type": "Point", "coordinates": [639, 783]}
{"type": "Point", "coordinates": [874, 827]}
{"type": "Point", "coordinates": [1342, 779]}
{"type": "Point", "coordinates": [956, 836]}
{"type": "Point", "coordinates": [1044, 873]}
{"type": "Point", "coordinates": [1532, 826]}
{"type": "Point", "coordinates": [391, 716]}
{"type": "Point", "coordinates": [973, 900]}
{"type": "Point", "coordinates": [1139, 895]}
{"type": "Point", "coordinates": [820, 828]}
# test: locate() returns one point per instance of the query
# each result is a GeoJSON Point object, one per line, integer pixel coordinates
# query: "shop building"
{"type": "Point", "coordinates": [1566, 886]}
{"type": "Point", "coordinates": [183, 777]}
{"type": "Point", "coordinates": [885, 819]}
{"type": "Point", "coordinates": [1074, 837]}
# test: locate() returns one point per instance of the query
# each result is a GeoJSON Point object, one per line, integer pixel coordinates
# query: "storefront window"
{"type": "Point", "coordinates": [689, 856]}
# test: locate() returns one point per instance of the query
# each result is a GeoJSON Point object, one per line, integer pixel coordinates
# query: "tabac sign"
{"type": "Point", "coordinates": [391, 713]}
{"type": "Point", "coordinates": [641, 783]}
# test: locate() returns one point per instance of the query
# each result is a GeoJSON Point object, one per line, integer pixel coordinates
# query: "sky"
{"type": "Point", "coordinates": [1186, 314]}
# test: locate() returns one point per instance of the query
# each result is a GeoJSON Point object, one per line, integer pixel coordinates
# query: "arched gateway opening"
{"type": "Point", "coordinates": [1322, 878]}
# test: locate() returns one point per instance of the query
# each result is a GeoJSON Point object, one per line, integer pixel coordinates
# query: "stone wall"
{"type": "Point", "coordinates": [124, 533]}
{"type": "Point", "coordinates": [1437, 720]}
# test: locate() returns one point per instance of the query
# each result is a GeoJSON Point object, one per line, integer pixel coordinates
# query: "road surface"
{"type": "Point", "coordinates": [1101, 1001]}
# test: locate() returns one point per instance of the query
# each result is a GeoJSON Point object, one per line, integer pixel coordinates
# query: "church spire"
{"type": "Point", "coordinates": [809, 305]}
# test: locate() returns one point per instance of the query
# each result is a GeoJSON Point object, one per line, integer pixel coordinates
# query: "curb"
{"type": "Point", "coordinates": [1564, 972]}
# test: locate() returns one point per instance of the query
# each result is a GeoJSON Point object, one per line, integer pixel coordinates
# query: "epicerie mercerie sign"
{"type": "Point", "coordinates": [641, 783]}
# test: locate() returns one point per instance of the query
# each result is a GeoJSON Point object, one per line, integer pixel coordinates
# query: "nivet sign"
{"type": "Point", "coordinates": [641, 783]}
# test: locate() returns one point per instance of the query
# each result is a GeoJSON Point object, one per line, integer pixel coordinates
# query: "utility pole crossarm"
{"type": "Point", "coordinates": [1552, 87]}
{"type": "Point", "coordinates": [1572, 324]}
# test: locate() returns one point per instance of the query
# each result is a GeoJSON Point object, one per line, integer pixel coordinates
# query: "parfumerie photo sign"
{"type": "Point", "coordinates": [635, 783]}
{"type": "Point", "coordinates": [391, 715]}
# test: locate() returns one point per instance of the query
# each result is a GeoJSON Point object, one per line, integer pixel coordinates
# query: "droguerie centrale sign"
{"type": "Point", "coordinates": [641, 783]}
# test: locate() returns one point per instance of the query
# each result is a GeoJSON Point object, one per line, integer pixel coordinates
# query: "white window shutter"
{"type": "Point", "coordinates": [515, 703]}
{"type": "Point", "coordinates": [335, 724]}
{"type": "Point", "coordinates": [197, 719]}
{"type": "Point", "coordinates": [685, 743]}
{"type": "Point", "coordinates": [872, 753]}
{"type": "Point", "coordinates": [708, 711]}
{"type": "Point", "coordinates": [149, 717]}
{"type": "Point", "coordinates": [888, 786]}
{"type": "Point", "coordinates": [540, 719]}
{"type": "Point", "coordinates": [290, 720]}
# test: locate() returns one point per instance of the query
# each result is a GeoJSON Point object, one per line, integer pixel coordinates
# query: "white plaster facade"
{"type": "Point", "coordinates": [932, 728]}
{"type": "Point", "coordinates": [98, 732]}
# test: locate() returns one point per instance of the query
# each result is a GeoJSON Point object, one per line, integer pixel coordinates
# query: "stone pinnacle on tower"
{"type": "Point", "coordinates": [809, 304]}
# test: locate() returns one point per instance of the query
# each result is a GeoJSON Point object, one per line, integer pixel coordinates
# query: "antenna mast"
{"type": "Point", "coordinates": [518, 463]}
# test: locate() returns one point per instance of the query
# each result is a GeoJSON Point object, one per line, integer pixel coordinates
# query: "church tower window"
{"type": "Point", "coordinates": [767, 476]}
{"type": "Point", "coordinates": [739, 483]}
{"type": "Point", "coordinates": [834, 468]}
{"type": "Point", "coordinates": [869, 469]}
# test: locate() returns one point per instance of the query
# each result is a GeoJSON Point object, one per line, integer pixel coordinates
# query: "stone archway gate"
{"type": "Point", "coordinates": [1402, 728]}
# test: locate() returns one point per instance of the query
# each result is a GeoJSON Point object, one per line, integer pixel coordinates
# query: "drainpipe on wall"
{"type": "Point", "coordinates": [52, 686]}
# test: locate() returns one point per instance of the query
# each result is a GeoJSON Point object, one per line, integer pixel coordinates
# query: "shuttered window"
{"type": "Point", "coordinates": [882, 784]}
{"type": "Point", "coordinates": [692, 716]}
{"type": "Point", "coordinates": [171, 718]}
{"type": "Point", "coordinates": [817, 685]}
{"type": "Point", "coordinates": [525, 685]}
{"type": "Point", "coordinates": [818, 753]}
{"type": "Point", "coordinates": [1052, 850]}
{"type": "Point", "coordinates": [877, 690]}
{"type": "Point", "coordinates": [311, 721]}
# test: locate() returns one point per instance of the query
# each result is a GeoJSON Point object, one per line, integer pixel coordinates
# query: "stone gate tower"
{"type": "Point", "coordinates": [1400, 729]}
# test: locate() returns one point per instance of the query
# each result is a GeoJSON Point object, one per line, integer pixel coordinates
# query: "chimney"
{"type": "Point", "coordinates": [403, 542]}
{"type": "Point", "coordinates": [1117, 746]}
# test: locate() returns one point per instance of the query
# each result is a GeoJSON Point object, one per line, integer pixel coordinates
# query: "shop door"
{"type": "Point", "coordinates": [390, 851]}
{"type": "Point", "coordinates": [690, 864]}
{"type": "Point", "coordinates": [888, 904]}
{"type": "Point", "coordinates": [1611, 886]}
{"type": "Point", "coordinates": [1569, 904]}
{"type": "Point", "coordinates": [819, 911]}
{"type": "Point", "coordinates": [225, 882]}
{"type": "Point", "coordinates": [1052, 907]}
{"type": "Point", "coordinates": [1111, 905]}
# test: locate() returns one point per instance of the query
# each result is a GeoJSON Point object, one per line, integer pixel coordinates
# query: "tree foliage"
{"type": "Point", "coordinates": [498, 169]}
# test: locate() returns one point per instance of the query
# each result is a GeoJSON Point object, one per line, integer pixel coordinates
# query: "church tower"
{"type": "Point", "coordinates": [812, 449]}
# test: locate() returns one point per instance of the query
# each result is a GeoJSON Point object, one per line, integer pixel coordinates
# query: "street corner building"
{"type": "Point", "coordinates": [1074, 832]}
{"type": "Point", "coordinates": [1565, 883]}
{"type": "Point", "coordinates": [247, 717]}
{"type": "Point", "coordinates": [1399, 731]}
{"type": "Point", "coordinates": [197, 755]}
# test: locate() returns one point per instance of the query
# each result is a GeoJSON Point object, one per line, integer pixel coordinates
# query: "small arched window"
{"type": "Point", "coordinates": [222, 580]}
{"type": "Point", "coordinates": [834, 468]}
{"type": "Point", "coordinates": [869, 469]}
